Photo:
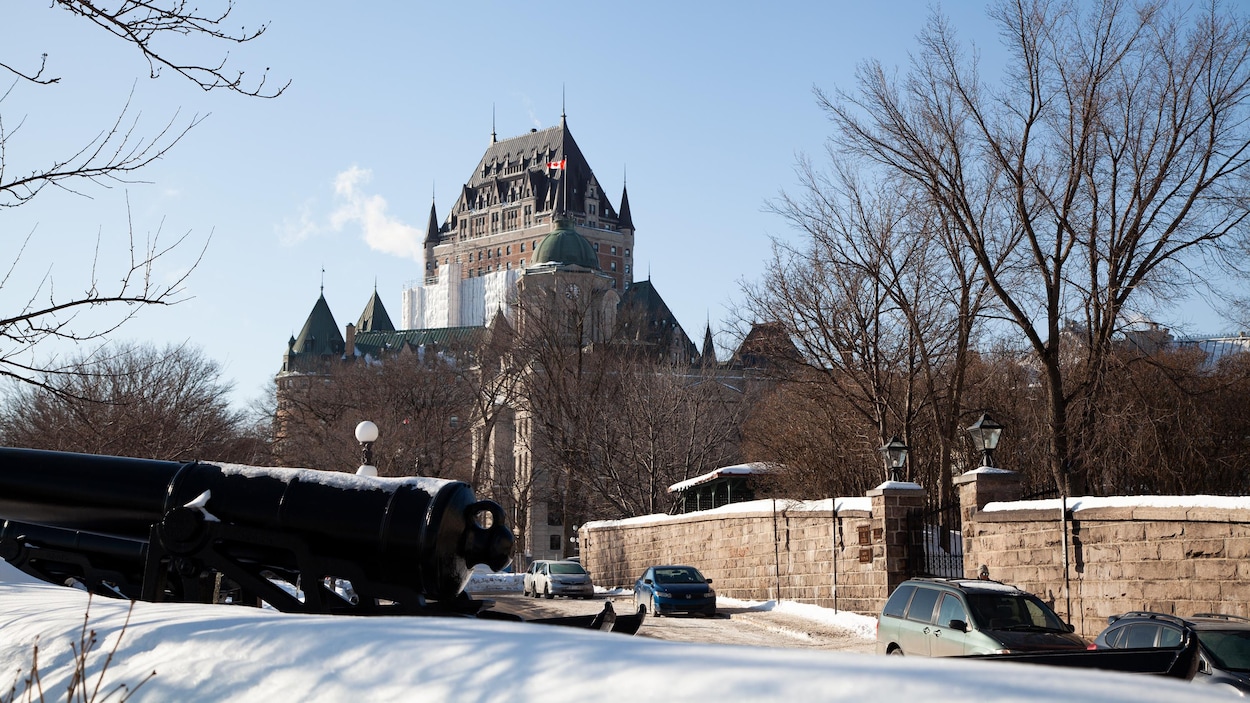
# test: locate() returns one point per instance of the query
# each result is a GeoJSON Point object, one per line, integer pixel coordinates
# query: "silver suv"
{"type": "Point", "coordinates": [954, 617]}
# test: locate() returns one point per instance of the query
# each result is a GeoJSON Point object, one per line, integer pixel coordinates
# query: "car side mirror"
{"type": "Point", "coordinates": [1068, 627]}
{"type": "Point", "coordinates": [958, 625]}
{"type": "Point", "coordinates": [709, 580]}
{"type": "Point", "coordinates": [647, 581]}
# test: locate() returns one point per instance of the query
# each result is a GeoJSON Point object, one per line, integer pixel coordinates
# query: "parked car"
{"type": "Point", "coordinates": [1223, 642]}
{"type": "Point", "coordinates": [936, 617]}
{"type": "Point", "coordinates": [669, 589]}
{"type": "Point", "coordinates": [557, 578]}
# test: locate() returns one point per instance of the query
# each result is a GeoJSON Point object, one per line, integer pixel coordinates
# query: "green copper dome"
{"type": "Point", "coordinates": [565, 246]}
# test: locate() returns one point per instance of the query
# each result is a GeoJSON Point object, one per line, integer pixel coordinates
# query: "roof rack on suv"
{"type": "Point", "coordinates": [958, 580]}
{"type": "Point", "coordinates": [1176, 619]}
{"type": "Point", "coordinates": [1221, 616]}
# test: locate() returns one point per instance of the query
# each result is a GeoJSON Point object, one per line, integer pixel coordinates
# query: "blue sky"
{"type": "Point", "coordinates": [704, 105]}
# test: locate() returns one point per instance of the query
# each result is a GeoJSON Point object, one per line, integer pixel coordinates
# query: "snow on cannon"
{"type": "Point", "coordinates": [300, 540]}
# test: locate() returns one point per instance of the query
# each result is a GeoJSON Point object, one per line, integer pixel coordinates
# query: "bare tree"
{"type": "Point", "coordinates": [667, 424]}
{"type": "Point", "coordinates": [131, 400]}
{"type": "Point", "coordinates": [162, 31]}
{"type": "Point", "coordinates": [885, 301]}
{"type": "Point", "coordinates": [416, 400]}
{"type": "Point", "coordinates": [1109, 161]}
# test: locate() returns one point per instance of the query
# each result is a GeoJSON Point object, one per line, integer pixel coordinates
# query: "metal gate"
{"type": "Point", "coordinates": [935, 546]}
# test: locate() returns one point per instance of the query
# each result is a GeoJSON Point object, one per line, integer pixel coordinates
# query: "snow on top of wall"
{"type": "Point", "coordinates": [1089, 502]}
{"type": "Point", "coordinates": [989, 470]}
{"type": "Point", "coordinates": [911, 485]}
{"type": "Point", "coordinates": [754, 506]}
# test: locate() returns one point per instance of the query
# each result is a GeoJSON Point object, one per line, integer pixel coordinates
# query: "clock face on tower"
{"type": "Point", "coordinates": [571, 291]}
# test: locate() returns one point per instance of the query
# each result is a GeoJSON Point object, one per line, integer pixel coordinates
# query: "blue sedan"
{"type": "Point", "coordinates": [664, 590]}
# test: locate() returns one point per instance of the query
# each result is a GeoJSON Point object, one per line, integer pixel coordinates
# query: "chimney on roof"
{"type": "Point", "coordinates": [350, 337]}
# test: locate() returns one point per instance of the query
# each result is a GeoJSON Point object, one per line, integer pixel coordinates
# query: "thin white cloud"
{"type": "Point", "coordinates": [299, 228]}
{"type": "Point", "coordinates": [381, 231]}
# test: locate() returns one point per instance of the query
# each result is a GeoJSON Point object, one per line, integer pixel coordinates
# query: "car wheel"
{"type": "Point", "coordinates": [896, 652]}
{"type": "Point", "coordinates": [547, 592]}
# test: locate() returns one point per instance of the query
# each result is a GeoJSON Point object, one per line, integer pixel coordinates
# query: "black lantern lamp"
{"type": "Point", "coordinates": [367, 434]}
{"type": "Point", "coordinates": [985, 433]}
{"type": "Point", "coordinates": [895, 455]}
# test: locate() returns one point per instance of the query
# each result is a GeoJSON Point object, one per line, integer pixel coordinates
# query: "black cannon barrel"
{"type": "Point", "coordinates": [117, 495]}
{"type": "Point", "coordinates": [412, 530]}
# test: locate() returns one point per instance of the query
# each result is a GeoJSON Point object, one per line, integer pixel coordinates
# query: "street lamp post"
{"type": "Point", "coordinates": [895, 454]}
{"type": "Point", "coordinates": [985, 433]}
{"type": "Point", "coordinates": [367, 434]}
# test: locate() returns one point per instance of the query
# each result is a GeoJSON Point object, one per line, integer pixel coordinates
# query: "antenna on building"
{"type": "Point", "coordinates": [492, 123]}
{"type": "Point", "coordinates": [323, 280]}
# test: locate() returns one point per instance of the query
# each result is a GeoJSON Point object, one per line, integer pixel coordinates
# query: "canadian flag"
{"type": "Point", "coordinates": [556, 164]}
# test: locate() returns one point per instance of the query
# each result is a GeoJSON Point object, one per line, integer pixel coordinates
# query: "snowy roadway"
{"type": "Point", "coordinates": [738, 622]}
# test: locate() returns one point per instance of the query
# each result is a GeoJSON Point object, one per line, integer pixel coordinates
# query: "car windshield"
{"type": "Point", "coordinates": [678, 574]}
{"type": "Point", "coordinates": [1229, 648]}
{"type": "Point", "coordinates": [1013, 611]}
{"type": "Point", "coordinates": [569, 568]}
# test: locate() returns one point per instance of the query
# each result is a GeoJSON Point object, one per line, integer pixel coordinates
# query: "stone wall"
{"type": "Point", "coordinates": [765, 549]}
{"type": "Point", "coordinates": [1181, 555]}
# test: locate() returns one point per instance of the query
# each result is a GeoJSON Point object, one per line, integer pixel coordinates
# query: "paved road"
{"type": "Point", "coordinates": [732, 626]}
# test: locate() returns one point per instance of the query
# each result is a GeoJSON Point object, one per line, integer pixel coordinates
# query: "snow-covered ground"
{"type": "Point", "coordinates": [203, 653]}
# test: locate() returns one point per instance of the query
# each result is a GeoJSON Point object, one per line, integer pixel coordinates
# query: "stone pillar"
{"type": "Point", "coordinates": [976, 489]}
{"type": "Point", "coordinates": [891, 501]}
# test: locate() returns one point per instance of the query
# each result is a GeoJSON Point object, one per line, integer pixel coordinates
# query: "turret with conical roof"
{"type": "Point", "coordinates": [318, 342]}
{"type": "Point", "coordinates": [374, 317]}
{"type": "Point", "coordinates": [625, 219]}
{"type": "Point", "coordinates": [708, 358]}
{"type": "Point", "coordinates": [320, 334]}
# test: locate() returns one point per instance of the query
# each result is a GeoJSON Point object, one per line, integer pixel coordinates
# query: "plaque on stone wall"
{"type": "Point", "coordinates": [863, 535]}
{"type": "Point", "coordinates": [865, 555]}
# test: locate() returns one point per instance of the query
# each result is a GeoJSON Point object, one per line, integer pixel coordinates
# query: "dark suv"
{"type": "Point", "coordinates": [1223, 642]}
{"type": "Point", "coordinates": [936, 617]}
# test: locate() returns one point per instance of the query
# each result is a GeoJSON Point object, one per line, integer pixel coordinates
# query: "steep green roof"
{"type": "Point", "coordinates": [374, 317]}
{"type": "Point", "coordinates": [320, 334]}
